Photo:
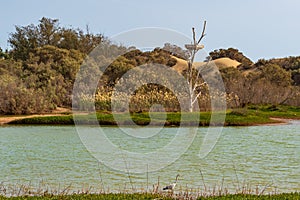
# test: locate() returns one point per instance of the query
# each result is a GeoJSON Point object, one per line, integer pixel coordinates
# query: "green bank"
{"type": "Point", "coordinates": [252, 115]}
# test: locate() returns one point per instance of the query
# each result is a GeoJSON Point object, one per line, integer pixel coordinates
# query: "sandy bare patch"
{"type": "Point", "coordinates": [181, 64]}
{"type": "Point", "coordinates": [278, 121]}
{"type": "Point", "coordinates": [4, 119]}
{"type": "Point", "coordinates": [226, 62]}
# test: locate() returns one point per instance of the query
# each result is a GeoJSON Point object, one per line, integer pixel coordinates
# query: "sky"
{"type": "Point", "coordinates": [258, 28]}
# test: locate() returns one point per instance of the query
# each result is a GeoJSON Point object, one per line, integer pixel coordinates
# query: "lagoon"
{"type": "Point", "coordinates": [54, 158]}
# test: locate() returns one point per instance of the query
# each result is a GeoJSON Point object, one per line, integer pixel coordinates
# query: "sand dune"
{"type": "Point", "coordinates": [226, 62]}
{"type": "Point", "coordinates": [220, 63]}
{"type": "Point", "coordinates": [180, 65]}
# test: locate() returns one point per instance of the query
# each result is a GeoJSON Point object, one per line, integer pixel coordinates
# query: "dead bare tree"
{"type": "Point", "coordinates": [193, 82]}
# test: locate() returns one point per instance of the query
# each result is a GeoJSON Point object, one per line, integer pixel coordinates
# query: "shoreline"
{"type": "Point", "coordinates": [4, 120]}
{"type": "Point", "coordinates": [279, 121]}
{"type": "Point", "coordinates": [59, 111]}
{"type": "Point", "coordinates": [7, 120]}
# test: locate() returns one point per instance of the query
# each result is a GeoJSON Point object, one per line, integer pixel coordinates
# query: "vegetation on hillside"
{"type": "Point", "coordinates": [290, 64]}
{"type": "Point", "coordinates": [38, 73]}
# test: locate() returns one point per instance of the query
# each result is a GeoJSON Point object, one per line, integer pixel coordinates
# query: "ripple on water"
{"type": "Point", "coordinates": [257, 155]}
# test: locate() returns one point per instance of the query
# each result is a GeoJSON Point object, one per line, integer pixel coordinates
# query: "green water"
{"type": "Point", "coordinates": [54, 157]}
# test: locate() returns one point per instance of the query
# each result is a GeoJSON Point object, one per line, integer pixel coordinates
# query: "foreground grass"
{"type": "Point", "coordinates": [252, 115]}
{"type": "Point", "coordinates": [90, 197]}
{"type": "Point", "coordinates": [289, 196]}
{"type": "Point", "coordinates": [145, 196]}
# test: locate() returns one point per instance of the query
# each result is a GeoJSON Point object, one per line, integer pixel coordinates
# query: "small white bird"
{"type": "Point", "coordinates": [172, 185]}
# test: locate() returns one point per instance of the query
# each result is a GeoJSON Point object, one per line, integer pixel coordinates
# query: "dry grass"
{"type": "Point", "coordinates": [181, 192]}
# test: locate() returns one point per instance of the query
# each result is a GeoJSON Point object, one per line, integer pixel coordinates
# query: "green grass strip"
{"type": "Point", "coordinates": [237, 117]}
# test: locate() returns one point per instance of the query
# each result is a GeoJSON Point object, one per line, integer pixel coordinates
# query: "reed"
{"type": "Point", "coordinates": [240, 190]}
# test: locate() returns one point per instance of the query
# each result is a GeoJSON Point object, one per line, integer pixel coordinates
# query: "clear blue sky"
{"type": "Point", "coordinates": [258, 28]}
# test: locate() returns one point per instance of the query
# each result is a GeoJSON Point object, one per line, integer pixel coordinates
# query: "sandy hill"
{"type": "Point", "coordinates": [220, 63]}
{"type": "Point", "coordinates": [226, 62]}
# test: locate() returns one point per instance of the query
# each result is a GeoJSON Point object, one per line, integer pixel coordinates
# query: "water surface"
{"type": "Point", "coordinates": [54, 157]}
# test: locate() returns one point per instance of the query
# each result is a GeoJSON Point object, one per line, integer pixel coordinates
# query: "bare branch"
{"type": "Point", "coordinates": [195, 99]}
{"type": "Point", "coordinates": [203, 33]}
{"type": "Point", "coordinates": [198, 73]}
{"type": "Point", "coordinates": [197, 77]}
{"type": "Point", "coordinates": [194, 35]}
